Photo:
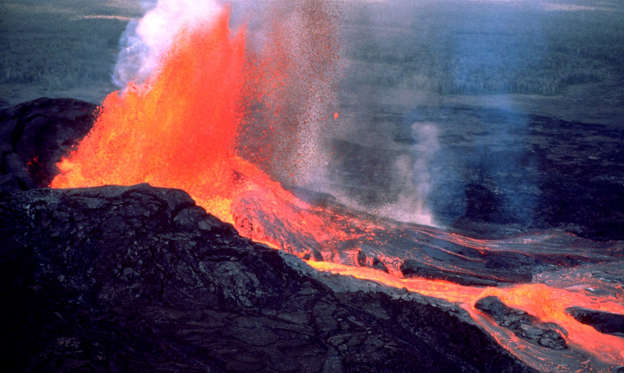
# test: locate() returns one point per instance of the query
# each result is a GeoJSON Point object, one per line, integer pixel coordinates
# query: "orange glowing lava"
{"type": "Point", "coordinates": [180, 129]}
{"type": "Point", "coordinates": [545, 302]}
{"type": "Point", "coordinates": [176, 130]}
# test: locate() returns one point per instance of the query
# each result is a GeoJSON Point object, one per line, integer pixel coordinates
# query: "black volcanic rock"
{"type": "Point", "coordinates": [116, 279]}
{"type": "Point", "coordinates": [413, 268]}
{"type": "Point", "coordinates": [604, 322]}
{"type": "Point", "coordinates": [522, 324]}
{"type": "Point", "coordinates": [35, 135]}
{"type": "Point", "coordinates": [482, 204]}
{"type": "Point", "coordinates": [503, 268]}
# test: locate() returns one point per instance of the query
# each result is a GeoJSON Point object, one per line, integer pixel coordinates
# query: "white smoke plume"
{"type": "Point", "coordinates": [145, 41]}
{"type": "Point", "coordinates": [411, 176]}
{"type": "Point", "coordinates": [411, 205]}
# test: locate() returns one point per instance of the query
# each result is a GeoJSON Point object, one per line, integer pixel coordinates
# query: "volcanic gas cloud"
{"type": "Point", "coordinates": [209, 112]}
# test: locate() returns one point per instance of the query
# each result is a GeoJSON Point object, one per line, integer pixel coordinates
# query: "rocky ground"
{"type": "Point", "coordinates": [138, 278]}
{"type": "Point", "coordinates": [114, 279]}
{"type": "Point", "coordinates": [118, 279]}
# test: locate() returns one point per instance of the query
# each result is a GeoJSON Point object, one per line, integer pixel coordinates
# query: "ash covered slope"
{"type": "Point", "coordinates": [140, 278]}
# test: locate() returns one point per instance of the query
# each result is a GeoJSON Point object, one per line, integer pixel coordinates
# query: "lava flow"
{"type": "Point", "coordinates": [181, 129]}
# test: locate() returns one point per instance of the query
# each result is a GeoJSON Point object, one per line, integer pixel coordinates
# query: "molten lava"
{"type": "Point", "coordinates": [176, 130]}
{"type": "Point", "coordinates": [181, 129]}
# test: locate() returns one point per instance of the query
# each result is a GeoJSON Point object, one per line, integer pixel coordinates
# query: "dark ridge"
{"type": "Point", "coordinates": [116, 279]}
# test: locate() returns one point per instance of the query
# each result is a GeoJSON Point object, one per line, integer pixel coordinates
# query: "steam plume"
{"type": "Point", "coordinates": [145, 41]}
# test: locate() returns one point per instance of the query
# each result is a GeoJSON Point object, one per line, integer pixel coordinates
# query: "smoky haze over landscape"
{"type": "Point", "coordinates": [441, 103]}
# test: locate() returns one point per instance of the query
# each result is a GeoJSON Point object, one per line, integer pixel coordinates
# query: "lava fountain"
{"type": "Point", "coordinates": [181, 127]}
{"type": "Point", "coordinates": [178, 129]}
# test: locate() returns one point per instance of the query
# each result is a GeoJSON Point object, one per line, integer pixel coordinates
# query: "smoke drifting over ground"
{"type": "Point", "coordinates": [390, 182]}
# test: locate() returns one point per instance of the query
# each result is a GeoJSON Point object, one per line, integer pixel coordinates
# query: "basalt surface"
{"type": "Point", "coordinates": [115, 279]}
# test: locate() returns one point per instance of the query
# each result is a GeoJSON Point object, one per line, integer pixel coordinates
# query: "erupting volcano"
{"type": "Point", "coordinates": [182, 128]}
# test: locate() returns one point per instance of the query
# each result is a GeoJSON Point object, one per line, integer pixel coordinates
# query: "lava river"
{"type": "Point", "coordinates": [181, 129]}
